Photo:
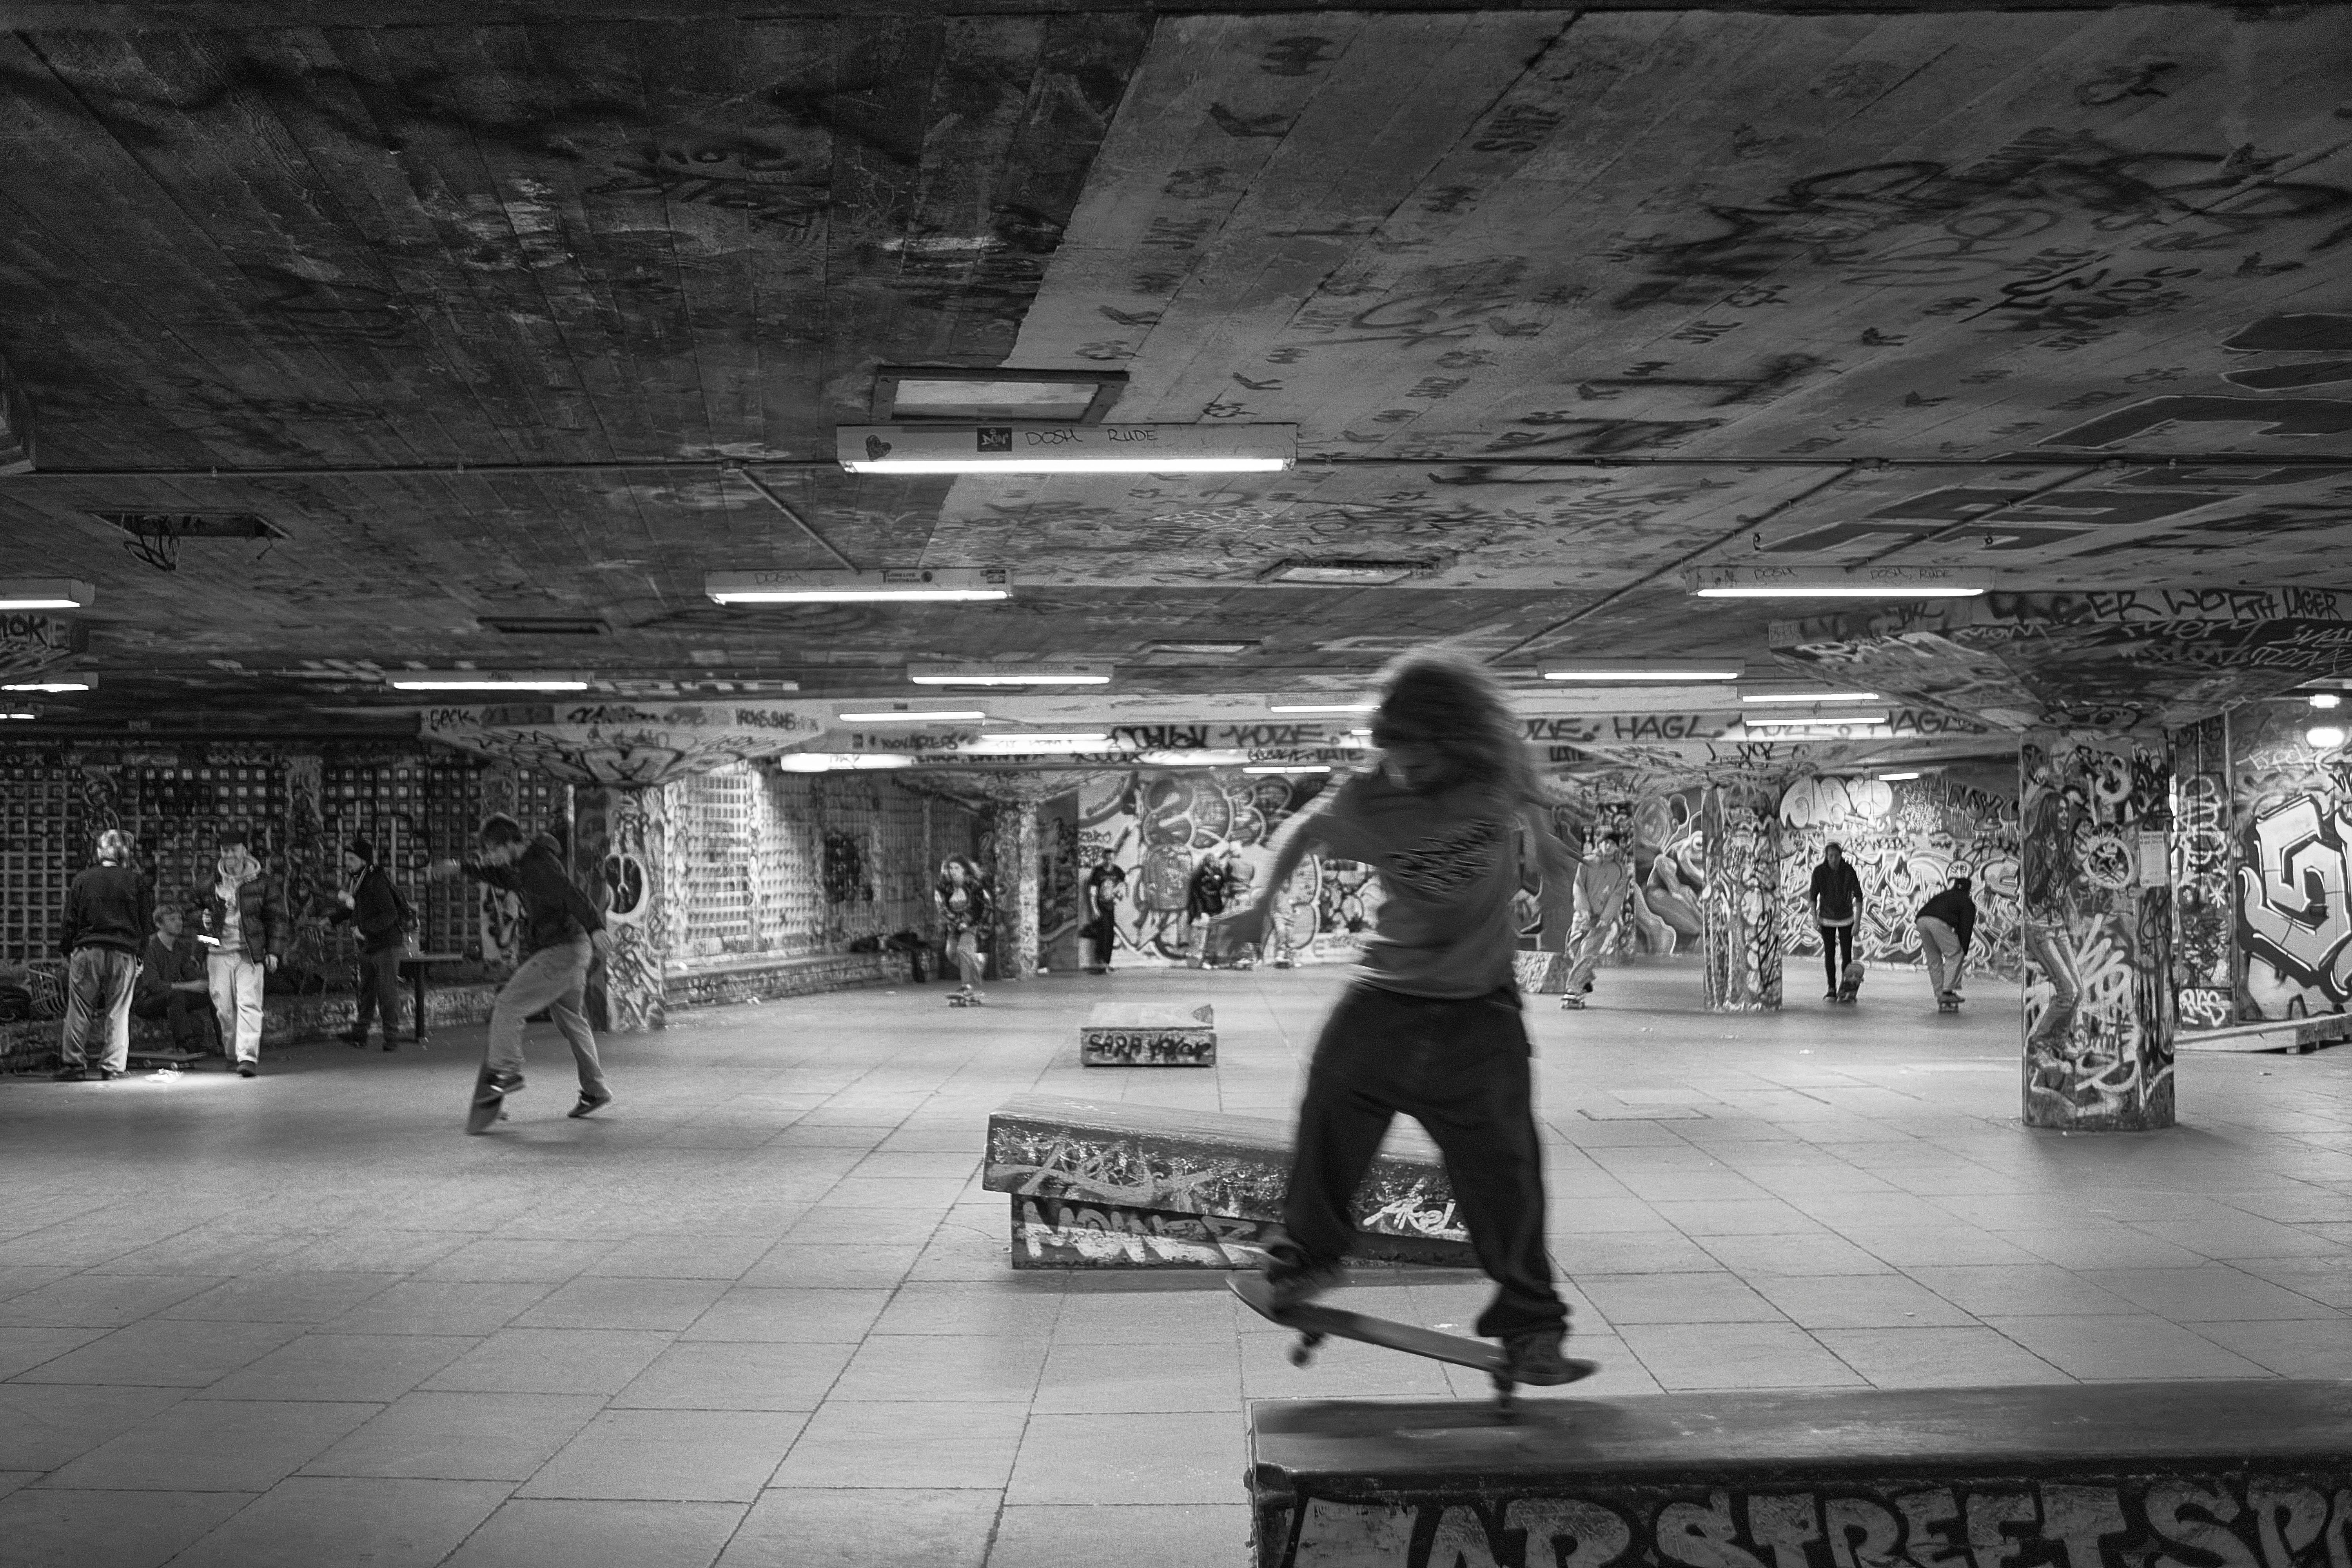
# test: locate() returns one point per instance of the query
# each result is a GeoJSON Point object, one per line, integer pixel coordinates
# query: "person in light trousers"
{"type": "Point", "coordinates": [562, 934]}
{"type": "Point", "coordinates": [243, 935]}
{"type": "Point", "coordinates": [105, 922]}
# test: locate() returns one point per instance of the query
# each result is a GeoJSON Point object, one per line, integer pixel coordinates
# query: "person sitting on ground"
{"type": "Point", "coordinates": [561, 933]}
{"type": "Point", "coordinates": [1836, 900]}
{"type": "Point", "coordinates": [171, 984]}
{"type": "Point", "coordinates": [1432, 1025]}
{"type": "Point", "coordinates": [1948, 924]}
{"type": "Point", "coordinates": [376, 911]}
{"type": "Point", "coordinates": [105, 919]}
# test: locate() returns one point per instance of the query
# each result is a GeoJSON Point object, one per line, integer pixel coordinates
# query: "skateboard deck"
{"type": "Point", "coordinates": [479, 1112]}
{"type": "Point", "coordinates": [1948, 1004]}
{"type": "Point", "coordinates": [1850, 980]}
{"type": "Point", "coordinates": [1316, 1323]}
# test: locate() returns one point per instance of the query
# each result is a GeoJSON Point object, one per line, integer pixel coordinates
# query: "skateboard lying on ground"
{"type": "Point", "coordinates": [485, 1107]}
{"type": "Point", "coordinates": [1316, 1323]}
{"type": "Point", "coordinates": [1850, 982]}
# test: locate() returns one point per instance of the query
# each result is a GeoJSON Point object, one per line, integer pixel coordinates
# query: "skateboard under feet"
{"type": "Point", "coordinates": [966, 999]}
{"type": "Point", "coordinates": [1850, 981]}
{"type": "Point", "coordinates": [1948, 1004]}
{"type": "Point", "coordinates": [487, 1106]}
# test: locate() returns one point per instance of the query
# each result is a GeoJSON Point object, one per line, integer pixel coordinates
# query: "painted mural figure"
{"type": "Point", "coordinates": [1947, 925]}
{"type": "Point", "coordinates": [2051, 875]}
{"type": "Point", "coordinates": [1603, 882]}
{"type": "Point", "coordinates": [561, 932]}
{"type": "Point", "coordinates": [1432, 1025]}
{"type": "Point", "coordinates": [1106, 885]}
{"type": "Point", "coordinates": [965, 909]}
{"type": "Point", "coordinates": [1837, 906]}
{"type": "Point", "coordinates": [244, 926]}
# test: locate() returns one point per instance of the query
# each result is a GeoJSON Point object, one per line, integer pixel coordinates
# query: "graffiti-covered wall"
{"type": "Point", "coordinates": [1907, 839]}
{"type": "Point", "coordinates": [2096, 871]}
{"type": "Point", "coordinates": [1176, 832]}
{"type": "Point", "coordinates": [2291, 823]}
{"type": "Point", "coordinates": [1741, 940]}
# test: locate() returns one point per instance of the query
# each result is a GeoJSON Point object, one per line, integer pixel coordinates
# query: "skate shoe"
{"type": "Point", "coordinates": [1534, 1358]}
{"type": "Point", "coordinates": [1289, 1286]}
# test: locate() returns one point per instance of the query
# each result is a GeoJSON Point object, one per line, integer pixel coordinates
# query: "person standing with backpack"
{"type": "Point", "coordinates": [375, 909]}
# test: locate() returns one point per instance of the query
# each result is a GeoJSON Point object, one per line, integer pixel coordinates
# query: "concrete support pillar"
{"type": "Point", "coordinates": [2100, 1014]}
{"type": "Point", "coordinates": [620, 855]}
{"type": "Point", "coordinates": [1016, 889]}
{"type": "Point", "coordinates": [1740, 936]}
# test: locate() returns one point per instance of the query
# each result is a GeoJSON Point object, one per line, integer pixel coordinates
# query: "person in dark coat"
{"type": "Point", "coordinates": [172, 984]}
{"type": "Point", "coordinates": [1836, 900]}
{"type": "Point", "coordinates": [245, 933]}
{"type": "Point", "coordinates": [105, 922]}
{"type": "Point", "coordinates": [374, 909]}
{"type": "Point", "coordinates": [1948, 924]}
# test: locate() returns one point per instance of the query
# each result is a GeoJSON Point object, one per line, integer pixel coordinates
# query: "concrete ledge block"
{"type": "Point", "coordinates": [2252, 1474]}
{"type": "Point", "coordinates": [1054, 1233]}
{"type": "Point", "coordinates": [1127, 1034]}
{"type": "Point", "coordinates": [1201, 1162]}
{"type": "Point", "coordinates": [2302, 1035]}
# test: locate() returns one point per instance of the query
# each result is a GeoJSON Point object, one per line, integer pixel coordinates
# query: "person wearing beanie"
{"type": "Point", "coordinates": [105, 922]}
{"type": "Point", "coordinates": [375, 909]}
{"type": "Point", "coordinates": [243, 935]}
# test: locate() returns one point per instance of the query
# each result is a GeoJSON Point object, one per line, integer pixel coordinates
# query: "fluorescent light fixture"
{"type": "Point", "coordinates": [1897, 778]}
{"type": "Point", "coordinates": [904, 716]}
{"type": "Point", "coordinates": [1359, 731]}
{"type": "Point", "coordinates": [1066, 448]}
{"type": "Point", "coordinates": [480, 680]}
{"type": "Point", "coordinates": [1238, 644]}
{"type": "Point", "coordinates": [1212, 758]}
{"type": "Point", "coordinates": [1318, 705]}
{"type": "Point", "coordinates": [44, 594]}
{"type": "Point", "coordinates": [90, 682]}
{"type": "Point", "coordinates": [19, 715]}
{"type": "Point", "coordinates": [1639, 673]}
{"type": "Point", "coordinates": [1288, 768]}
{"type": "Point", "coordinates": [840, 762]}
{"type": "Point", "coordinates": [2318, 699]}
{"type": "Point", "coordinates": [1040, 672]}
{"type": "Point", "coordinates": [1343, 573]}
{"type": "Point", "coordinates": [1813, 729]}
{"type": "Point", "coordinates": [1813, 720]}
{"type": "Point", "coordinates": [891, 585]}
{"type": "Point", "coordinates": [1871, 583]}
{"type": "Point", "coordinates": [1811, 697]}
{"type": "Point", "coordinates": [2323, 737]}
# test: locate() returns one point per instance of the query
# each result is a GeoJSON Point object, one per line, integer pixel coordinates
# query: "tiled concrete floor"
{"type": "Point", "coordinates": [761, 1312]}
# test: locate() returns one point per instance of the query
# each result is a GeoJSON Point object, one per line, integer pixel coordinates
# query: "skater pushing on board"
{"type": "Point", "coordinates": [1431, 1027]}
{"type": "Point", "coordinates": [964, 908]}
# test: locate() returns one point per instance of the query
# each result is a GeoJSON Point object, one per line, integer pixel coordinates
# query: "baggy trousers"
{"type": "Point", "coordinates": [1594, 939]}
{"type": "Point", "coordinates": [1941, 944]}
{"type": "Point", "coordinates": [236, 987]}
{"type": "Point", "coordinates": [379, 992]}
{"type": "Point", "coordinates": [98, 996]}
{"type": "Point", "coordinates": [555, 978]}
{"type": "Point", "coordinates": [1460, 1067]}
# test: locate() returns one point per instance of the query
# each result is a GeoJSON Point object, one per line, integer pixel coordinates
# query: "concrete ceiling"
{"type": "Point", "coordinates": [478, 313]}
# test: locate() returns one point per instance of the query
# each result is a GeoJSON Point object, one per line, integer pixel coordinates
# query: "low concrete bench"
{"type": "Point", "coordinates": [1143, 1160]}
{"type": "Point", "coordinates": [1128, 1035]}
{"type": "Point", "coordinates": [2175, 1475]}
{"type": "Point", "coordinates": [2300, 1036]}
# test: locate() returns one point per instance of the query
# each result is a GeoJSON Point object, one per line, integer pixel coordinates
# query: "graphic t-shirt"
{"type": "Point", "coordinates": [1448, 865]}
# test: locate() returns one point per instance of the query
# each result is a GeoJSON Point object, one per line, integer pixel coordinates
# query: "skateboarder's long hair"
{"type": "Point", "coordinates": [1444, 699]}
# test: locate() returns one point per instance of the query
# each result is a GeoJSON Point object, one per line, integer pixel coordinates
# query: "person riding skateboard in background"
{"type": "Point", "coordinates": [376, 911]}
{"type": "Point", "coordinates": [1948, 924]}
{"type": "Point", "coordinates": [561, 932]}
{"type": "Point", "coordinates": [246, 931]}
{"type": "Point", "coordinates": [172, 984]}
{"type": "Point", "coordinates": [1430, 1026]}
{"type": "Point", "coordinates": [105, 919]}
{"type": "Point", "coordinates": [964, 908]}
{"type": "Point", "coordinates": [1836, 900]}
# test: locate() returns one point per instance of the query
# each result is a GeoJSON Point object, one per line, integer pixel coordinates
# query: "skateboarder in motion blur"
{"type": "Point", "coordinates": [1432, 1025]}
{"type": "Point", "coordinates": [562, 931]}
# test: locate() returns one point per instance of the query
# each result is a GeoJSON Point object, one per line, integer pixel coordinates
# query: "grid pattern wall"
{"type": "Point", "coordinates": [42, 831]}
{"type": "Point", "coordinates": [788, 874]}
{"type": "Point", "coordinates": [714, 841]}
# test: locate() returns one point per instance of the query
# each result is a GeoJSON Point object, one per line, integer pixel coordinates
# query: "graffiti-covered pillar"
{"type": "Point", "coordinates": [2095, 862]}
{"type": "Point", "coordinates": [619, 854]}
{"type": "Point", "coordinates": [1739, 937]}
{"type": "Point", "coordinates": [2204, 949]}
{"type": "Point", "coordinates": [1017, 906]}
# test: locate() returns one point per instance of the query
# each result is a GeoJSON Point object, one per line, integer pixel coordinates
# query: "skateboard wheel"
{"type": "Point", "coordinates": [1301, 1353]}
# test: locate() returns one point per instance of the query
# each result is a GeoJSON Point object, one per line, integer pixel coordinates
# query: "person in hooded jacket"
{"type": "Point", "coordinates": [1948, 924]}
{"type": "Point", "coordinates": [244, 934]}
{"type": "Point", "coordinates": [105, 922]}
{"type": "Point", "coordinates": [374, 909]}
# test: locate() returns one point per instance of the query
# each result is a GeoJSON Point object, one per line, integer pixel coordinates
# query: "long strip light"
{"type": "Point", "coordinates": [44, 594]}
{"type": "Point", "coordinates": [1279, 706]}
{"type": "Point", "coordinates": [1644, 674]}
{"type": "Point", "coordinates": [1813, 720]}
{"type": "Point", "coordinates": [1038, 674]}
{"type": "Point", "coordinates": [893, 586]}
{"type": "Point", "coordinates": [479, 680]}
{"type": "Point", "coordinates": [1066, 448]}
{"type": "Point", "coordinates": [1896, 778]}
{"type": "Point", "coordinates": [1812, 697]}
{"type": "Point", "coordinates": [903, 716]}
{"type": "Point", "coordinates": [1288, 768]}
{"type": "Point", "coordinates": [1876, 583]}
{"type": "Point", "coordinates": [81, 683]}
{"type": "Point", "coordinates": [840, 762]}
